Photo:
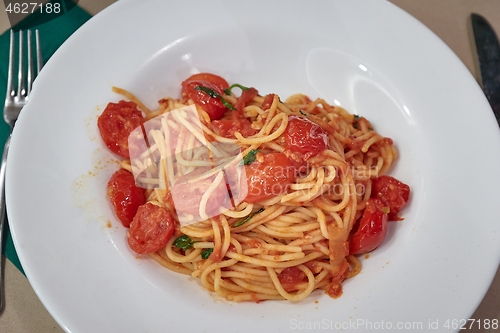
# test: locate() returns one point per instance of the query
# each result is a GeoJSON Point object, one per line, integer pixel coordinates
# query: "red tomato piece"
{"type": "Point", "coordinates": [151, 229]}
{"type": "Point", "coordinates": [290, 277]}
{"type": "Point", "coordinates": [269, 178]}
{"type": "Point", "coordinates": [393, 193]}
{"type": "Point", "coordinates": [371, 228]}
{"type": "Point", "coordinates": [268, 101]}
{"type": "Point", "coordinates": [246, 96]}
{"type": "Point", "coordinates": [125, 195]}
{"type": "Point", "coordinates": [237, 123]}
{"type": "Point", "coordinates": [305, 137]}
{"type": "Point", "coordinates": [219, 82]}
{"type": "Point", "coordinates": [187, 193]}
{"type": "Point", "coordinates": [116, 123]}
{"type": "Point", "coordinates": [212, 105]}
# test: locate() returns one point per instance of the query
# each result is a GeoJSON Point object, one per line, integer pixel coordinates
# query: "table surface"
{"type": "Point", "coordinates": [449, 19]}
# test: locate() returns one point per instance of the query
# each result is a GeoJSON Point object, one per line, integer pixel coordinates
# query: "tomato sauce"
{"type": "Point", "coordinates": [290, 277]}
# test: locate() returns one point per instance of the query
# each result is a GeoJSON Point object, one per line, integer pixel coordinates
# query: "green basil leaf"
{"type": "Point", "coordinates": [206, 253]}
{"type": "Point", "coordinates": [248, 218]}
{"type": "Point", "coordinates": [183, 242]}
{"type": "Point", "coordinates": [226, 103]}
{"type": "Point", "coordinates": [207, 91]}
{"type": "Point", "coordinates": [228, 90]}
{"type": "Point", "coordinates": [250, 157]}
{"type": "Point", "coordinates": [212, 93]}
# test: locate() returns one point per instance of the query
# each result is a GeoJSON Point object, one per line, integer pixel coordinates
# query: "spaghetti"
{"type": "Point", "coordinates": [258, 198]}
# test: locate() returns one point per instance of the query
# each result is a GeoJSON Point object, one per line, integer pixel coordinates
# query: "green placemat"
{"type": "Point", "coordinates": [52, 35]}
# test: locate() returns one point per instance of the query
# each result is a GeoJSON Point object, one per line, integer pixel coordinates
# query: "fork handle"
{"type": "Point", "coordinates": [3, 217]}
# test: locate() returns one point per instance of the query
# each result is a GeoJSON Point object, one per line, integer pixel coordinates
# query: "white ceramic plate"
{"type": "Point", "coordinates": [368, 56]}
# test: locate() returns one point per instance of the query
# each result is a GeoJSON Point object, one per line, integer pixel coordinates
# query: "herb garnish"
{"type": "Point", "coordinates": [206, 253]}
{"type": "Point", "coordinates": [355, 124]}
{"type": "Point", "coordinates": [250, 157]}
{"type": "Point", "coordinates": [227, 91]}
{"type": "Point", "coordinates": [248, 218]}
{"type": "Point", "coordinates": [184, 242]}
{"type": "Point", "coordinates": [214, 94]}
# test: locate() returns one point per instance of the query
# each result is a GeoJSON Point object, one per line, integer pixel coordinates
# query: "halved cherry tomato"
{"type": "Point", "coordinates": [215, 80]}
{"type": "Point", "coordinates": [212, 105]}
{"type": "Point", "coordinates": [371, 228]}
{"type": "Point", "coordinates": [237, 123]}
{"type": "Point", "coordinates": [151, 229]}
{"type": "Point", "coordinates": [125, 195]}
{"type": "Point", "coordinates": [188, 191]}
{"type": "Point", "coordinates": [116, 123]}
{"type": "Point", "coordinates": [305, 137]}
{"type": "Point", "coordinates": [270, 177]}
{"type": "Point", "coordinates": [393, 193]}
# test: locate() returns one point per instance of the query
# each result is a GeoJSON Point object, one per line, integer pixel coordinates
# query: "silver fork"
{"type": "Point", "coordinates": [15, 99]}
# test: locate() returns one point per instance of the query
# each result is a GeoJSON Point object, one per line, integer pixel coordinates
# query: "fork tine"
{"type": "Point", "coordinates": [20, 75]}
{"type": "Point", "coordinates": [38, 53]}
{"type": "Point", "coordinates": [30, 63]}
{"type": "Point", "coordinates": [10, 74]}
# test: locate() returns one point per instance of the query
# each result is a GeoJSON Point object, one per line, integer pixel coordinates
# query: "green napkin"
{"type": "Point", "coordinates": [52, 35]}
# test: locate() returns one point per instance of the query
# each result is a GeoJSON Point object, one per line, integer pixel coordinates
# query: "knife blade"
{"type": "Point", "coordinates": [488, 59]}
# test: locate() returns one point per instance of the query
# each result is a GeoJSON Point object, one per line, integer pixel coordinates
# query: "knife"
{"type": "Point", "coordinates": [488, 59]}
